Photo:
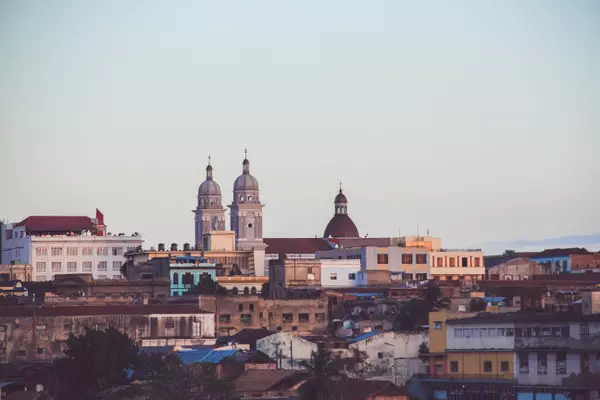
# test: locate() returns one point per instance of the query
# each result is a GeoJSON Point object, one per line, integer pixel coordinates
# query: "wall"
{"type": "Point", "coordinates": [52, 330]}
{"type": "Point", "coordinates": [22, 272]}
{"type": "Point", "coordinates": [383, 350]}
{"type": "Point", "coordinates": [518, 269]}
{"type": "Point", "coordinates": [18, 248]}
{"type": "Point", "coordinates": [590, 302]}
{"type": "Point", "coordinates": [471, 364]}
{"type": "Point", "coordinates": [491, 341]}
{"type": "Point", "coordinates": [581, 263]}
{"type": "Point", "coordinates": [555, 264]}
{"type": "Point", "coordinates": [471, 272]}
{"type": "Point", "coordinates": [252, 283]}
{"type": "Point", "coordinates": [258, 313]}
{"type": "Point", "coordinates": [220, 241]}
{"type": "Point", "coordinates": [343, 270]}
{"type": "Point", "coordinates": [287, 349]}
{"type": "Point", "coordinates": [551, 378]}
{"type": "Point", "coordinates": [437, 336]}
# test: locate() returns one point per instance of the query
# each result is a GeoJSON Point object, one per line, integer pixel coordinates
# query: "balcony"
{"type": "Point", "coordinates": [507, 378]}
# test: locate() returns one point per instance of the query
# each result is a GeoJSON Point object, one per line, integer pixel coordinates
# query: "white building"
{"type": "Point", "coordinates": [288, 350]}
{"type": "Point", "coordinates": [340, 273]}
{"type": "Point", "coordinates": [55, 245]}
{"type": "Point", "coordinates": [392, 356]}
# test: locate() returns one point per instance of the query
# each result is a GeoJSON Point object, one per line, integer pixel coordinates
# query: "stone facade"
{"type": "Point", "coordinates": [25, 336]}
{"type": "Point", "coordinates": [234, 313]}
{"type": "Point", "coordinates": [292, 273]}
{"type": "Point", "coordinates": [516, 269]}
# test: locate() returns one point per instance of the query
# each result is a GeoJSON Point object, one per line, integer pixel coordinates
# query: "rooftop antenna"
{"type": "Point", "coordinates": [246, 153]}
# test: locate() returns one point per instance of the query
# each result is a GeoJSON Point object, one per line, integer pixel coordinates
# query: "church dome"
{"type": "Point", "coordinates": [245, 181]}
{"type": "Point", "coordinates": [341, 226]}
{"type": "Point", "coordinates": [209, 187]}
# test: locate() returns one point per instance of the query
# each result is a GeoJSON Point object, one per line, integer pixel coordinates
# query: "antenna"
{"type": "Point", "coordinates": [246, 153]}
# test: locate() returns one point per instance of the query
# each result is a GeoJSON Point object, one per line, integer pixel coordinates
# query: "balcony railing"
{"type": "Point", "coordinates": [467, 377]}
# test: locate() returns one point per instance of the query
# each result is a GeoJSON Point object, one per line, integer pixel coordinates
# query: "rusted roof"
{"type": "Point", "coordinates": [72, 311]}
{"type": "Point", "coordinates": [260, 380]}
{"type": "Point", "coordinates": [295, 245]}
{"type": "Point", "coordinates": [560, 252]}
{"type": "Point", "coordinates": [341, 226]}
{"type": "Point", "coordinates": [56, 224]}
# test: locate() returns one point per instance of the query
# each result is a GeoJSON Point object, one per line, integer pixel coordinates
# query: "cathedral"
{"type": "Point", "coordinates": [246, 211]}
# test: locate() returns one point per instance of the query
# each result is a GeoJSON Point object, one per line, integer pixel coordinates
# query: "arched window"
{"type": "Point", "coordinates": [212, 202]}
{"type": "Point", "coordinates": [241, 197]}
{"type": "Point", "coordinates": [234, 290]}
{"type": "Point", "coordinates": [203, 202]}
{"type": "Point", "coordinates": [250, 198]}
{"type": "Point", "coordinates": [175, 278]}
{"type": "Point", "coordinates": [246, 290]}
{"type": "Point", "coordinates": [253, 290]}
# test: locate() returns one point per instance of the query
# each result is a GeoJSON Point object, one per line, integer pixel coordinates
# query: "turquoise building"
{"type": "Point", "coordinates": [186, 272]}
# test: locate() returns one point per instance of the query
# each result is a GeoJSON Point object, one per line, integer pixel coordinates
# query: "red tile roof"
{"type": "Point", "coordinates": [57, 224]}
{"type": "Point", "coordinates": [295, 245]}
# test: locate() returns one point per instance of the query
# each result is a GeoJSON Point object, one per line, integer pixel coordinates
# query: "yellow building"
{"type": "Point", "coordinates": [453, 265]}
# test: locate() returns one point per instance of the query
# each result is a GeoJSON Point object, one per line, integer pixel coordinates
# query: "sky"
{"type": "Point", "coordinates": [476, 120]}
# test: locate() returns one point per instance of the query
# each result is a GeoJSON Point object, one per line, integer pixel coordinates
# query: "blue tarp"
{"type": "Point", "coordinates": [363, 337]}
{"type": "Point", "coordinates": [206, 355]}
{"type": "Point", "coordinates": [494, 299]}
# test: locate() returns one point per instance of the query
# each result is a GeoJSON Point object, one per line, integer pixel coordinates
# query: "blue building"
{"type": "Point", "coordinates": [557, 261]}
{"type": "Point", "coordinates": [187, 271]}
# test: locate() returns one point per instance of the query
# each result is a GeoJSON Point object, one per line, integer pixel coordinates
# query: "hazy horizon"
{"type": "Point", "coordinates": [475, 120]}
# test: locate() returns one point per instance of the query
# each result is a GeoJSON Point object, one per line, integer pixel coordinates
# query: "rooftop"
{"type": "Point", "coordinates": [525, 317]}
{"type": "Point", "coordinates": [67, 311]}
{"type": "Point", "coordinates": [295, 245]}
{"type": "Point", "coordinates": [57, 224]}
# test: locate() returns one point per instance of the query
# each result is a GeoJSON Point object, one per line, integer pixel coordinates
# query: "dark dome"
{"type": "Point", "coordinates": [341, 226]}
{"type": "Point", "coordinates": [341, 198]}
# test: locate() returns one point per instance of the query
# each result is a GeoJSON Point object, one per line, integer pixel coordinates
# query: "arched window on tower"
{"type": "Point", "coordinates": [175, 278]}
{"type": "Point", "coordinates": [212, 202]}
{"type": "Point", "coordinates": [241, 197]}
{"type": "Point", "coordinates": [203, 202]}
{"type": "Point", "coordinates": [249, 197]}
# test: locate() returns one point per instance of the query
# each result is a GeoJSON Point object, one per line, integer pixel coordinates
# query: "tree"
{"type": "Point", "coordinates": [431, 295]}
{"type": "Point", "coordinates": [509, 253]}
{"type": "Point", "coordinates": [95, 361]}
{"type": "Point", "coordinates": [424, 352]}
{"type": "Point", "coordinates": [265, 291]}
{"type": "Point", "coordinates": [477, 305]}
{"type": "Point", "coordinates": [207, 286]}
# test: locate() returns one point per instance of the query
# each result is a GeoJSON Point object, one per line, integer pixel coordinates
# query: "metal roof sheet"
{"type": "Point", "coordinates": [364, 336]}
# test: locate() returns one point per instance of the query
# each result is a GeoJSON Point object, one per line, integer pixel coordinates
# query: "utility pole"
{"type": "Point", "coordinates": [277, 354]}
{"type": "Point", "coordinates": [292, 354]}
{"type": "Point", "coordinates": [33, 334]}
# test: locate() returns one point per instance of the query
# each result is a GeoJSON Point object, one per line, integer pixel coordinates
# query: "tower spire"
{"type": "Point", "coordinates": [340, 186]}
{"type": "Point", "coordinates": [209, 170]}
{"type": "Point", "coordinates": [246, 163]}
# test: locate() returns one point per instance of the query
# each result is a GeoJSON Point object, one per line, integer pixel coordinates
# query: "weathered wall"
{"type": "Point", "coordinates": [288, 350]}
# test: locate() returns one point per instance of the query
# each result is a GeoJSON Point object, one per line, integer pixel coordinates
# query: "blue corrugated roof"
{"type": "Point", "coordinates": [206, 355]}
{"type": "Point", "coordinates": [188, 357]}
{"type": "Point", "coordinates": [494, 299]}
{"type": "Point", "coordinates": [365, 294]}
{"type": "Point", "coordinates": [155, 349]}
{"type": "Point", "coordinates": [363, 337]}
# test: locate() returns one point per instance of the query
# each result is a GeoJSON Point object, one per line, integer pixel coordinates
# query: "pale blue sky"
{"type": "Point", "coordinates": [480, 120]}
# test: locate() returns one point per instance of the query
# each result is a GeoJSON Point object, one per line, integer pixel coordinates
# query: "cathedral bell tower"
{"type": "Point", "coordinates": [246, 210]}
{"type": "Point", "coordinates": [210, 214]}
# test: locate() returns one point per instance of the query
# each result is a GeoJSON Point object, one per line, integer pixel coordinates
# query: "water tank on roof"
{"type": "Point", "coordinates": [161, 247]}
{"type": "Point", "coordinates": [173, 246]}
{"type": "Point", "coordinates": [186, 247]}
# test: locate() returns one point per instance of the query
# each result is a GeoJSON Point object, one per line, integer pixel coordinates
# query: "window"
{"type": "Point", "coordinates": [101, 277]}
{"type": "Point", "coordinates": [288, 317]}
{"type": "Point", "coordinates": [246, 290]}
{"type": "Point", "coordinates": [333, 276]}
{"type": "Point", "coordinates": [561, 363]}
{"type": "Point", "coordinates": [86, 266]}
{"type": "Point", "coordinates": [251, 307]}
{"type": "Point", "coordinates": [477, 261]}
{"type": "Point", "coordinates": [421, 259]}
{"type": "Point", "coordinates": [584, 328]}
{"type": "Point", "coordinates": [518, 332]}
{"type": "Point", "coordinates": [102, 266]}
{"type": "Point", "coordinates": [253, 290]}
{"type": "Point", "coordinates": [224, 318]}
{"type": "Point", "coordinates": [175, 278]}
{"type": "Point", "coordinates": [40, 278]}
{"type": "Point", "coordinates": [247, 318]}
{"type": "Point", "coordinates": [187, 279]}
{"type": "Point", "coordinates": [320, 317]}
{"type": "Point", "coordinates": [352, 276]}
{"type": "Point", "coordinates": [56, 251]}
{"type": "Point", "coordinates": [504, 367]}
{"type": "Point", "coordinates": [437, 325]}
{"type": "Point", "coordinates": [406, 258]}
{"type": "Point", "coordinates": [380, 355]}
{"type": "Point", "coordinates": [41, 251]}
{"type": "Point", "coordinates": [87, 251]}
{"type": "Point", "coordinates": [542, 363]}
{"type": "Point", "coordinates": [464, 262]}
{"type": "Point", "coordinates": [440, 261]}
{"type": "Point", "coordinates": [71, 266]}
{"type": "Point", "coordinates": [240, 307]}
{"type": "Point", "coordinates": [56, 266]}
{"type": "Point", "coordinates": [565, 331]}
{"type": "Point", "coordinates": [510, 332]}
{"type": "Point", "coordinates": [102, 251]}
{"type": "Point", "coordinates": [169, 325]}
{"type": "Point", "coordinates": [382, 258]}
{"type": "Point", "coordinates": [41, 351]}
{"type": "Point", "coordinates": [310, 277]}
{"type": "Point", "coordinates": [249, 197]}
{"type": "Point", "coordinates": [117, 251]}
{"type": "Point", "coordinates": [453, 366]}
{"type": "Point", "coordinates": [487, 366]}
{"type": "Point", "coordinates": [452, 261]}
{"type": "Point", "coordinates": [546, 331]}
{"type": "Point", "coordinates": [116, 265]}
{"type": "Point", "coordinates": [117, 277]}
{"type": "Point", "coordinates": [303, 317]}
{"type": "Point", "coordinates": [40, 266]}
{"type": "Point", "coordinates": [72, 251]}
{"type": "Point", "coordinates": [421, 277]}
